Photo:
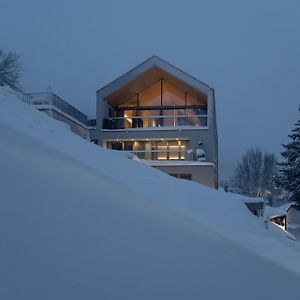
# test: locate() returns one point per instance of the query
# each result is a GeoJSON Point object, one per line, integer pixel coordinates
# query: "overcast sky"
{"type": "Point", "coordinates": [249, 51]}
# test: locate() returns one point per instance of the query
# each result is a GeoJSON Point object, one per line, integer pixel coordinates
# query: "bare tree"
{"type": "Point", "coordinates": [269, 172]}
{"type": "Point", "coordinates": [254, 174]}
{"type": "Point", "coordinates": [10, 69]}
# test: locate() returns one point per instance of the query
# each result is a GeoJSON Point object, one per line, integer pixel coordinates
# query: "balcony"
{"type": "Point", "coordinates": [49, 98]}
{"type": "Point", "coordinates": [163, 155]}
{"type": "Point", "coordinates": [128, 122]}
{"type": "Point", "coordinates": [162, 149]}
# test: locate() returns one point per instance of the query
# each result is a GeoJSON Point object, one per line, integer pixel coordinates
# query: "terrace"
{"type": "Point", "coordinates": [155, 149]}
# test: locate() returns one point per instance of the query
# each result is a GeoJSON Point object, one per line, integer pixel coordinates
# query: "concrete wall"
{"type": "Point", "coordinates": [293, 216]}
{"type": "Point", "coordinates": [200, 174]}
{"type": "Point", "coordinates": [77, 128]}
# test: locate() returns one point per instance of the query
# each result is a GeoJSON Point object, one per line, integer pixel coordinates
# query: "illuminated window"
{"type": "Point", "coordinates": [162, 147]}
{"type": "Point", "coordinates": [151, 96]}
{"type": "Point", "coordinates": [174, 150]}
{"type": "Point", "coordinates": [153, 150]}
{"type": "Point", "coordinates": [191, 100]}
{"type": "Point", "coordinates": [172, 96]}
{"type": "Point", "coordinates": [161, 104]}
{"type": "Point", "coordinates": [128, 114]}
{"type": "Point", "coordinates": [150, 118]}
{"type": "Point", "coordinates": [132, 102]}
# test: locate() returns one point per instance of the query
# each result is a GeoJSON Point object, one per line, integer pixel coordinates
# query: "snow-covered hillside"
{"type": "Point", "coordinates": [80, 222]}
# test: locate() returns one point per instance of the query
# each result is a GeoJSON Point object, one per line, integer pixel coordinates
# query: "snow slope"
{"type": "Point", "coordinates": [80, 222]}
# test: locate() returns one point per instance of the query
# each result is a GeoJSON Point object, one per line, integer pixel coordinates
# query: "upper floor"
{"type": "Point", "coordinates": [155, 96]}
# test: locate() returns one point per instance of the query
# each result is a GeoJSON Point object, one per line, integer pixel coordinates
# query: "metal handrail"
{"type": "Point", "coordinates": [159, 151]}
{"type": "Point", "coordinates": [49, 98]}
{"type": "Point", "coordinates": [186, 154]}
{"type": "Point", "coordinates": [152, 117]}
{"type": "Point", "coordinates": [155, 121]}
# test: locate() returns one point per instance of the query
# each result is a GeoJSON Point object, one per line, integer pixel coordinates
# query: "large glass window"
{"type": "Point", "coordinates": [191, 100]}
{"type": "Point", "coordinates": [153, 150]}
{"type": "Point", "coordinates": [172, 96]}
{"type": "Point", "coordinates": [128, 120]}
{"type": "Point", "coordinates": [162, 148]}
{"type": "Point", "coordinates": [150, 118]}
{"type": "Point", "coordinates": [151, 96]}
{"type": "Point", "coordinates": [132, 102]}
{"type": "Point", "coordinates": [161, 104]}
{"type": "Point", "coordinates": [174, 149]}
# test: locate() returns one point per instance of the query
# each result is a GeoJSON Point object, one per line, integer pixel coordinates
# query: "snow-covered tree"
{"type": "Point", "coordinates": [10, 69]}
{"type": "Point", "coordinates": [254, 174]}
{"type": "Point", "coordinates": [289, 177]}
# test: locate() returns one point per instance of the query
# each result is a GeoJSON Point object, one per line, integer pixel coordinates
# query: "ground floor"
{"type": "Point", "coordinates": [201, 172]}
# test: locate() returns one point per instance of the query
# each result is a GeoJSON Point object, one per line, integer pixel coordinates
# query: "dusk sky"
{"type": "Point", "coordinates": [249, 51]}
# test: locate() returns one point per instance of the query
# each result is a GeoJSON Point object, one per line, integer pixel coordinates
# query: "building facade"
{"type": "Point", "coordinates": [165, 117]}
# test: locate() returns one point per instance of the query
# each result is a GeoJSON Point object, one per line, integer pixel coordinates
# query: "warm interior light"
{"type": "Point", "coordinates": [162, 155]}
{"type": "Point", "coordinates": [128, 119]}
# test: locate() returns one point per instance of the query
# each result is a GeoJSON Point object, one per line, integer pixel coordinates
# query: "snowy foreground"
{"type": "Point", "coordinates": [80, 222]}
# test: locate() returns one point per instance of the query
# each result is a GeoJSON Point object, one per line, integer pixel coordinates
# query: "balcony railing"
{"type": "Point", "coordinates": [155, 121]}
{"type": "Point", "coordinates": [163, 155]}
{"type": "Point", "coordinates": [49, 98]}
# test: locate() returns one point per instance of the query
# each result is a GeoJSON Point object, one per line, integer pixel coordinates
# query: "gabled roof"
{"type": "Point", "coordinates": [273, 212]}
{"type": "Point", "coordinates": [156, 68]}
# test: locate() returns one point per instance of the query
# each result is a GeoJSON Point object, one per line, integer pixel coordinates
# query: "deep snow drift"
{"type": "Point", "coordinates": [80, 222]}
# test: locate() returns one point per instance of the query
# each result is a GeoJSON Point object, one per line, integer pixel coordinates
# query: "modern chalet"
{"type": "Point", "coordinates": [162, 115]}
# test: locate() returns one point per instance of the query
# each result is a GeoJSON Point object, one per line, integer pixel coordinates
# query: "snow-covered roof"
{"type": "Point", "coordinates": [273, 212]}
{"type": "Point", "coordinates": [285, 207]}
{"type": "Point", "coordinates": [280, 211]}
{"type": "Point", "coordinates": [246, 199]}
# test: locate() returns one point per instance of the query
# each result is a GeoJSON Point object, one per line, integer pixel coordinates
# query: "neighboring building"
{"type": "Point", "coordinates": [276, 215]}
{"type": "Point", "coordinates": [160, 114]}
{"type": "Point", "coordinates": [59, 109]}
{"type": "Point", "coordinates": [287, 216]}
{"type": "Point", "coordinates": [254, 204]}
{"type": "Point", "coordinates": [293, 213]}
